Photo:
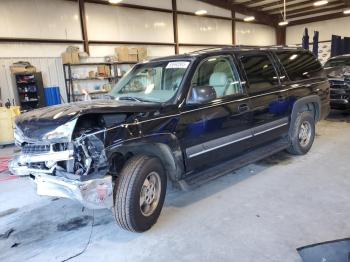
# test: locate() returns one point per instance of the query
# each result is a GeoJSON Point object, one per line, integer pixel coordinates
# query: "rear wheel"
{"type": "Point", "coordinates": [140, 193]}
{"type": "Point", "coordinates": [302, 134]}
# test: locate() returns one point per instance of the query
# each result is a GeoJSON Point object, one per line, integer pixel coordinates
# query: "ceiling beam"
{"type": "Point", "coordinates": [281, 3]}
{"type": "Point", "coordinates": [301, 5]}
{"type": "Point", "coordinates": [240, 8]}
{"type": "Point", "coordinates": [307, 11]}
{"type": "Point", "coordinates": [316, 9]}
{"type": "Point", "coordinates": [317, 18]}
{"type": "Point", "coordinates": [251, 2]}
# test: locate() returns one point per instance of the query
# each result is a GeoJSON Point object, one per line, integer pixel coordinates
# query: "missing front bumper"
{"type": "Point", "coordinates": [93, 194]}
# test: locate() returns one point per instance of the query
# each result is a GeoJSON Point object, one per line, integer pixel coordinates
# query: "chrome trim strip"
{"type": "Point", "coordinates": [216, 147]}
{"type": "Point", "coordinates": [269, 125]}
{"type": "Point", "coordinates": [272, 128]}
{"type": "Point", "coordinates": [222, 142]}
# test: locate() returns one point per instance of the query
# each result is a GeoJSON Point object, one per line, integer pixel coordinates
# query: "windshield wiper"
{"type": "Point", "coordinates": [109, 96]}
{"type": "Point", "coordinates": [132, 98]}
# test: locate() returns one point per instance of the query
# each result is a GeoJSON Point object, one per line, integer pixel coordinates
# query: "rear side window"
{"type": "Point", "coordinates": [299, 65]}
{"type": "Point", "coordinates": [260, 72]}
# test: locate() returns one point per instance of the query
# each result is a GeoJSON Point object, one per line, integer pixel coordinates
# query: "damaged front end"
{"type": "Point", "coordinates": [339, 79]}
{"type": "Point", "coordinates": [69, 161]}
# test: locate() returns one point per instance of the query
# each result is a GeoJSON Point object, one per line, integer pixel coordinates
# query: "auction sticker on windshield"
{"type": "Point", "coordinates": [182, 64]}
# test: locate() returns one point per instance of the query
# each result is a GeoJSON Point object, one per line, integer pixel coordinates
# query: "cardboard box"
{"type": "Point", "coordinates": [103, 70]}
{"type": "Point", "coordinates": [133, 55]}
{"type": "Point", "coordinates": [122, 54]}
{"type": "Point", "coordinates": [92, 74]}
{"type": "Point", "coordinates": [75, 58]}
{"type": "Point", "coordinates": [66, 58]}
{"type": "Point", "coordinates": [126, 54]}
{"type": "Point", "coordinates": [70, 58]}
{"type": "Point", "coordinates": [142, 53]}
{"type": "Point", "coordinates": [22, 69]}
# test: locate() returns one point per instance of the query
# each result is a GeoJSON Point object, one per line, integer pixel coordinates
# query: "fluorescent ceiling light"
{"type": "Point", "coordinates": [249, 19]}
{"type": "Point", "coordinates": [115, 1]}
{"type": "Point", "coordinates": [319, 3]}
{"type": "Point", "coordinates": [347, 11]}
{"type": "Point", "coordinates": [201, 12]}
{"type": "Point", "coordinates": [283, 23]}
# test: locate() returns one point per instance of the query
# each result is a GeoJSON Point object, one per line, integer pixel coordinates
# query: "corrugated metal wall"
{"type": "Point", "coordinates": [50, 67]}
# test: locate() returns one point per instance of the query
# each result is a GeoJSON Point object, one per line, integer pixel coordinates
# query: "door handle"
{"type": "Point", "coordinates": [243, 108]}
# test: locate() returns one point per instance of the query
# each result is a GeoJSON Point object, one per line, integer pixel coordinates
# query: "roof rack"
{"type": "Point", "coordinates": [235, 47]}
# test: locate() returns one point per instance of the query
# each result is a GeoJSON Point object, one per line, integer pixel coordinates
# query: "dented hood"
{"type": "Point", "coordinates": [35, 123]}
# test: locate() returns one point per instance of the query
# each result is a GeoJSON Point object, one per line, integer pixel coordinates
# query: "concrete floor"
{"type": "Point", "coordinates": [262, 212]}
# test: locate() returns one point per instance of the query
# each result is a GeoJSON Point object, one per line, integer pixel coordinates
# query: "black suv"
{"type": "Point", "coordinates": [338, 72]}
{"type": "Point", "coordinates": [185, 119]}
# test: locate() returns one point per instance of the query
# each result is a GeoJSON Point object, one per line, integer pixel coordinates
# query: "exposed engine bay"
{"type": "Point", "coordinates": [75, 159]}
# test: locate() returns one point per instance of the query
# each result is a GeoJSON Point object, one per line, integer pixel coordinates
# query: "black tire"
{"type": "Point", "coordinates": [127, 210]}
{"type": "Point", "coordinates": [297, 147]}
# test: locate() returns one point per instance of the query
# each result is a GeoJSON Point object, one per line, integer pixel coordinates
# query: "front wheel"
{"type": "Point", "coordinates": [140, 193]}
{"type": "Point", "coordinates": [302, 134]}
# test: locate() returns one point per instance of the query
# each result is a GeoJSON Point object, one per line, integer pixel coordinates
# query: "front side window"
{"type": "Point", "coordinates": [299, 65]}
{"type": "Point", "coordinates": [260, 72]}
{"type": "Point", "coordinates": [219, 73]}
{"type": "Point", "coordinates": [151, 82]}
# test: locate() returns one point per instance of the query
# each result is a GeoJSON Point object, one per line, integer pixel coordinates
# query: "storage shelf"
{"type": "Point", "coordinates": [92, 79]}
{"type": "Point", "coordinates": [29, 86]}
{"type": "Point", "coordinates": [114, 69]}
{"type": "Point", "coordinates": [93, 93]}
{"type": "Point", "coordinates": [28, 92]}
{"type": "Point", "coordinates": [26, 83]}
{"type": "Point", "coordinates": [30, 101]}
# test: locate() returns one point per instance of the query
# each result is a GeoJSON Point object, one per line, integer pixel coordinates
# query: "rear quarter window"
{"type": "Point", "coordinates": [299, 65]}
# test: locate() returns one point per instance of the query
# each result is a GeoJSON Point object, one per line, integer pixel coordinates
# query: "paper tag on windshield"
{"type": "Point", "coordinates": [181, 64]}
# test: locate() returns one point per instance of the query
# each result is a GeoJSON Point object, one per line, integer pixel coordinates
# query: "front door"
{"type": "Point", "coordinates": [217, 130]}
{"type": "Point", "coordinates": [270, 106]}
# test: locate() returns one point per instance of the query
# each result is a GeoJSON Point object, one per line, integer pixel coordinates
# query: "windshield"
{"type": "Point", "coordinates": [151, 82]}
{"type": "Point", "coordinates": [338, 62]}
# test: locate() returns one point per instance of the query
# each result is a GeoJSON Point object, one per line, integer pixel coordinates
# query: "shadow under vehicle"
{"type": "Point", "coordinates": [183, 119]}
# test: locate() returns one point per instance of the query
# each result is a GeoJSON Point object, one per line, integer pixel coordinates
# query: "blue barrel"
{"type": "Point", "coordinates": [52, 96]}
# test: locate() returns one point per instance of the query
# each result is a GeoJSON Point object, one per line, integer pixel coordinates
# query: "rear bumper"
{"type": "Point", "coordinates": [93, 194]}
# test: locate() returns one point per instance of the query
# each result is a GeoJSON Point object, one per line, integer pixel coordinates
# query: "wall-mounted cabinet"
{"type": "Point", "coordinates": [29, 90]}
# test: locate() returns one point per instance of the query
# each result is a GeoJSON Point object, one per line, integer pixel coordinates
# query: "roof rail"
{"type": "Point", "coordinates": [235, 47]}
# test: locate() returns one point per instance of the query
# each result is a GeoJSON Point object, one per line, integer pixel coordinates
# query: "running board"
{"type": "Point", "coordinates": [198, 179]}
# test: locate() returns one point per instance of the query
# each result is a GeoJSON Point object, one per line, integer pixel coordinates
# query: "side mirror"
{"type": "Point", "coordinates": [201, 95]}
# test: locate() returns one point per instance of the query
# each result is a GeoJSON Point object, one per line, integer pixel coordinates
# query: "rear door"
{"type": "Point", "coordinates": [304, 75]}
{"type": "Point", "coordinates": [269, 100]}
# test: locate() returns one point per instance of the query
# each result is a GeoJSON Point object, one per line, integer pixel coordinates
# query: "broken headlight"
{"type": "Point", "coordinates": [62, 132]}
{"type": "Point", "coordinates": [18, 135]}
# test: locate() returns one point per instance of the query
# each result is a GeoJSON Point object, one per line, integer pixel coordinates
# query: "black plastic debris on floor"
{"type": "Point", "coordinates": [74, 223]}
{"type": "Point", "coordinates": [331, 251]}
{"type": "Point", "coordinates": [7, 234]}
